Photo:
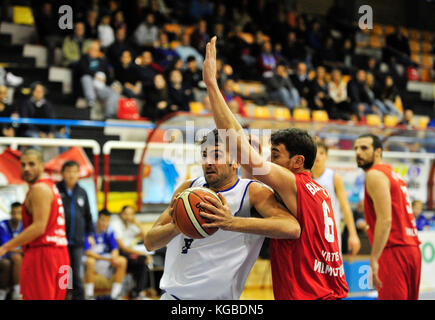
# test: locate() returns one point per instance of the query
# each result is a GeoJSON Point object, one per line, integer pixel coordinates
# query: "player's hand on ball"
{"type": "Point", "coordinates": [221, 216]}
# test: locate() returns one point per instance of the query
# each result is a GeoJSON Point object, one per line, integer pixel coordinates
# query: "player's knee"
{"type": "Point", "coordinates": [122, 262]}
{"type": "Point", "coordinates": [17, 258]}
{"type": "Point", "coordinates": [90, 263]}
{"type": "Point", "coordinates": [5, 264]}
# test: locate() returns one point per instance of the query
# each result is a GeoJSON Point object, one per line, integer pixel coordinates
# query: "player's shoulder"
{"type": "Point", "coordinates": [40, 188]}
{"type": "Point", "coordinates": [256, 186]}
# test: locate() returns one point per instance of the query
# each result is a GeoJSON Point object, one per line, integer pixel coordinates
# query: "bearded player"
{"type": "Point", "coordinates": [45, 266]}
{"type": "Point", "coordinates": [395, 258]}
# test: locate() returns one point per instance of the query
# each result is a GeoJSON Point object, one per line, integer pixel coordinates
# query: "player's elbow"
{"type": "Point", "coordinates": [294, 232]}
{"type": "Point", "coordinates": [149, 244]}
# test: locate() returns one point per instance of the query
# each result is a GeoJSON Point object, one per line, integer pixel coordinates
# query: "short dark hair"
{"type": "Point", "coordinates": [16, 204]}
{"type": "Point", "coordinates": [68, 164]}
{"type": "Point", "coordinates": [377, 143]}
{"type": "Point", "coordinates": [297, 142]}
{"type": "Point", "coordinates": [212, 136]}
{"type": "Point", "coordinates": [104, 212]}
{"type": "Point", "coordinates": [126, 206]}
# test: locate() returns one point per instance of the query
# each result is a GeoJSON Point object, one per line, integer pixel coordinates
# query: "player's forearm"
{"type": "Point", "coordinates": [380, 237]}
{"type": "Point", "coordinates": [279, 228]}
{"type": "Point", "coordinates": [160, 236]}
{"type": "Point", "coordinates": [27, 235]}
{"type": "Point", "coordinates": [222, 115]}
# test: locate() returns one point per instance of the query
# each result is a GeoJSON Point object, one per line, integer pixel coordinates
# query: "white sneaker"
{"type": "Point", "coordinates": [13, 80]}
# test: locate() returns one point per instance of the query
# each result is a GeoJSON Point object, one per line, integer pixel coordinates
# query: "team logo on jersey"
{"type": "Point", "coordinates": [187, 244]}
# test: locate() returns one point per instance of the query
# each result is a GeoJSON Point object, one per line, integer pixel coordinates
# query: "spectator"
{"type": "Point", "coordinates": [74, 46]}
{"type": "Point", "coordinates": [192, 78]}
{"type": "Point", "coordinates": [327, 54]}
{"type": "Point", "coordinates": [10, 263]}
{"type": "Point", "coordinates": [301, 82]}
{"type": "Point", "coordinates": [94, 74]}
{"type": "Point", "coordinates": [147, 69]}
{"type": "Point", "coordinates": [374, 69]}
{"type": "Point", "coordinates": [422, 222]}
{"type": "Point", "coordinates": [345, 54]}
{"type": "Point", "coordinates": [389, 95]}
{"type": "Point", "coordinates": [397, 48]}
{"type": "Point", "coordinates": [178, 95]}
{"type": "Point", "coordinates": [293, 49]}
{"type": "Point", "coordinates": [121, 44]}
{"type": "Point", "coordinates": [46, 21]}
{"type": "Point", "coordinates": [408, 119]}
{"type": "Point", "coordinates": [127, 74]}
{"type": "Point", "coordinates": [157, 99]}
{"type": "Point", "coordinates": [118, 21]}
{"type": "Point", "coordinates": [163, 53]}
{"type": "Point", "coordinates": [267, 61]}
{"type": "Point", "coordinates": [359, 99]}
{"type": "Point", "coordinates": [338, 94]}
{"type": "Point", "coordinates": [281, 88]}
{"type": "Point", "coordinates": [186, 50]}
{"type": "Point", "coordinates": [373, 93]}
{"type": "Point", "coordinates": [199, 36]}
{"type": "Point", "coordinates": [92, 24]}
{"type": "Point", "coordinates": [127, 228]}
{"type": "Point", "coordinates": [105, 32]}
{"type": "Point", "coordinates": [6, 111]}
{"type": "Point", "coordinates": [223, 72]}
{"type": "Point", "coordinates": [78, 221]}
{"type": "Point", "coordinates": [320, 99]}
{"type": "Point", "coordinates": [37, 106]}
{"type": "Point", "coordinates": [234, 101]}
{"type": "Point", "coordinates": [103, 258]}
{"type": "Point", "coordinates": [146, 34]}
{"type": "Point", "coordinates": [315, 36]}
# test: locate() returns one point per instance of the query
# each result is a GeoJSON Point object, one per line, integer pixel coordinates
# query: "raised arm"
{"type": "Point", "coordinates": [164, 229]}
{"type": "Point", "coordinates": [276, 221]}
{"type": "Point", "coordinates": [273, 175]}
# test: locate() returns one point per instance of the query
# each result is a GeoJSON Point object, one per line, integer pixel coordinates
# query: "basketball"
{"type": "Point", "coordinates": [186, 213]}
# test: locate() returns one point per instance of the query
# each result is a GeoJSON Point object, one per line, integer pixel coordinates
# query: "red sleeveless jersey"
{"type": "Point", "coordinates": [403, 228]}
{"type": "Point", "coordinates": [310, 267]}
{"type": "Point", "coordinates": [54, 234]}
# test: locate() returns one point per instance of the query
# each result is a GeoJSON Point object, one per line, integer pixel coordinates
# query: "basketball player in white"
{"type": "Point", "coordinates": [217, 267]}
{"type": "Point", "coordinates": [333, 183]}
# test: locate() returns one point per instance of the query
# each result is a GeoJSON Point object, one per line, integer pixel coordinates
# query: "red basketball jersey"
{"type": "Point", "coordinates": [310, 267]}
{"type": "Point", "coordinates": [403, 227]}
{"type": "Point", "coordinates": [54, 234]}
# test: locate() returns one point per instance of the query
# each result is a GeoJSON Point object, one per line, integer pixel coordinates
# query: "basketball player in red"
{"type": "Point", "coordinates": [309, 267]}
{"type": "Point", "coordinates": [45, 267]}
{"type": "Point", "coordinates": [395, 258]}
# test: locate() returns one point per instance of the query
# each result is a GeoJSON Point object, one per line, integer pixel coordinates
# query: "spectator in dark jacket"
{"type": "Point", "coordinates": [281, 88]}
{"type": "Point", "coordinates": [301, 81]}
{"type": "Point", "coordinates": [157, 99]}
{"type": "Point", "coordinates": [78, 221]}
{"type": "Point", "coordinates": [359, 99]}
{"type": "Point", "coordinates": [127, 75]}
{"type": "Point", "coordinates": [6, 111]}
{"type": "Point", "coordinates": [36, 106]}
{"type": "Point", "coordinates": [178, 94]}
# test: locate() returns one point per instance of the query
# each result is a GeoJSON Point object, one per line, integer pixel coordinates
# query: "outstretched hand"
{"type": "Point", "coordinates": [209, 67]}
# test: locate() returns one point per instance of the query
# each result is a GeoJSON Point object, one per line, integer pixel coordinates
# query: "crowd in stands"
{"type": "Point", "coordinates": [152, 51]}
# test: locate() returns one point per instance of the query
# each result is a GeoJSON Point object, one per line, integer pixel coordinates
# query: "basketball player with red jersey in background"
{"type": "Point", "coordinates": [395, 258]}
{"type": "Point", "coordinates": [45, 266]}
{"type": "Point", "coordinates": [310, 267]}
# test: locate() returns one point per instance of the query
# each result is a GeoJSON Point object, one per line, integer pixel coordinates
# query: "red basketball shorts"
{"type": "Point", "coordinates": [44, 273]}
{"type": "Point", "coordinates": [399, 272]}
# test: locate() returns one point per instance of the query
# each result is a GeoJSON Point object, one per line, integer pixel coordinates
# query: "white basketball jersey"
{"type": "Point", "coordinates": [216, 267]}
{"type": "Point", "coordinates": [326, 180]}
